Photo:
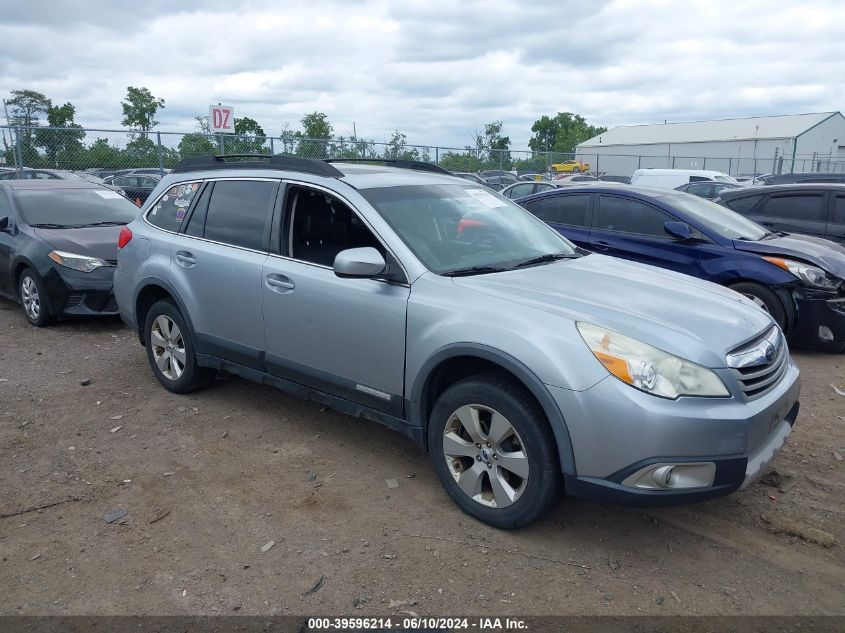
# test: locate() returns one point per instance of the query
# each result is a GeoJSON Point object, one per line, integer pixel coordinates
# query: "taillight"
{"type": "Point", "coordinates": [124, 237]}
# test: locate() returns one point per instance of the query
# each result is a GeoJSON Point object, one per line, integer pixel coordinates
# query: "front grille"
{"type": "Point", "coordinates": [110, 304]}
{"type": "Point", "coordinates": [760, 364]}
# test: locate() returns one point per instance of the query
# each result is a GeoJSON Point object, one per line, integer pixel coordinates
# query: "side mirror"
{"type": "Point", "coordinates": [679, 230]}
{"type": "Point", "coordinates": [364, 262]}
{"type": "Point", "coordinates": [4, 224]}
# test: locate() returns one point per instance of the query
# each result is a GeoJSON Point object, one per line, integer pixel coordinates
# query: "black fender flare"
{"type": "Point", "coordinates": [517, 368]}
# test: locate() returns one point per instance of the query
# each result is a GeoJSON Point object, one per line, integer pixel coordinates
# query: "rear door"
{"type": "Point", "coordinates": [794, 212]}
{"type": "Point", "coordinates": [568, 213]}
{"type": "Point", "coordinates": [836, 226]}
{"type": "Point", "coordinates": [633, 229]}
{"type": "Point", "coordinates": [215, 266]}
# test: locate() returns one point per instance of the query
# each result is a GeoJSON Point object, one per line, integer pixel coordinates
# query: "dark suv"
{"type": "Point", "coordinates": [812, 209]}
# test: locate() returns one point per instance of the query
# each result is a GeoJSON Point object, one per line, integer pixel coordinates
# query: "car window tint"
{"type": "Point", "coordinates": [570, 209]}
{"type": "Point", "coordinates": [169, 212]}
{"type": "Point", "coordinates": [196, 223]}
{"type": "Point", "coordinates": [796, 207]}
{"type": "Point", "coordinates": [839, 211]}
{"type": "Point", "coordinates": [744, 204]}
{"type": "Point", "coordinates": [238, 212]}
{"type": "Point", "coordinates": [5, 206]}
{"type": "Point", "coordinates": [321, 226]}
{"type": "Point", "coordinates": [517, 191]}
{"type": "Point", "coordinates": [630, 216]}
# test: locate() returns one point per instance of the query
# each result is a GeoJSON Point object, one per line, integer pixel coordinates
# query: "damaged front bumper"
{"type": "Point", "coordinates": [821, 320]}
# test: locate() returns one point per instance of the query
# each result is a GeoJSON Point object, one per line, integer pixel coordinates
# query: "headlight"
{"type": "Point", "coordinates": [648, 368]}
{"type": "Point", "coordinates": [82, 263]}
{"type": "Point", "coordinates": [810, 275]}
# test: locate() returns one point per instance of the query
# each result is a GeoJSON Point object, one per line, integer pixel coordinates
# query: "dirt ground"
{"type": "Point", "coordinates": [239, 465]}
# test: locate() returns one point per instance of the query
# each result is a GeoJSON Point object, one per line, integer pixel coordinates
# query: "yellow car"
{"type": "Point", "coordinates": [570, 165]}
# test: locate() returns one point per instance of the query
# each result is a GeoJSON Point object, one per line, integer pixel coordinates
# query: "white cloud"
{"type": "Point", "coordinates": [435, 69]}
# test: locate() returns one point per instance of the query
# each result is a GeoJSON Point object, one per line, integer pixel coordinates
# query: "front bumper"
{"type": "Point", "coordinates": [74, 293]}
{"type": "Point", "coordinates": [821, 320]}
{"type": "Point", "coordinates": [617, 431]}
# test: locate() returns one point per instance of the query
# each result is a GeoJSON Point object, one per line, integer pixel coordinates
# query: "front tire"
{"type": "Point", "coordinates": [494, 452]}
{"type": "Point", "coordinates": [171, 351]}
{"type": "Point", "coordinates": [34, 300]}
{"type": "Point", "coordinates": [766, 300]}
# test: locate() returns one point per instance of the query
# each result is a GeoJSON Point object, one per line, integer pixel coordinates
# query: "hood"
{"type": "Point", "coordinates": [682, 315]}
{"type": "Point", "coordinates": [816, 250]}
{"type": "Point", "coordinates": [93, 241]}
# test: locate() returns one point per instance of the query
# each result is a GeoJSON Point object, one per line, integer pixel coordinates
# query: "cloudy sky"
{"type": "Point", "coordinates": [435, 69]}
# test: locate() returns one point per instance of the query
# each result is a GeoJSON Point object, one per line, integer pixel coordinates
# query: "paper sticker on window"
{"type": "Point", "coordinates": [108, 195]}
{"type": "Point", "coordinates": [487, 199]}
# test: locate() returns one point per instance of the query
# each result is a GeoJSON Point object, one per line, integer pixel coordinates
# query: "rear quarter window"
{"type": "Point", "coordinates": [169, 212]}
{"type": "Point", "coordinates": [743, 205]}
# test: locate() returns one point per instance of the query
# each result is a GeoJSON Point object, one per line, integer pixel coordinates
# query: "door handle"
{"type": "Point", "coordinates": [186, 259]}
{"type": "Point", "coordinates": [279, 283]}
{"type": "Point", "coordinates": [602, 246]}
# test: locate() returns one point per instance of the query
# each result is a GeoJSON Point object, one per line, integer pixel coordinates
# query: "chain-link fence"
{"type": "Point", "coordinates": [104, 152]}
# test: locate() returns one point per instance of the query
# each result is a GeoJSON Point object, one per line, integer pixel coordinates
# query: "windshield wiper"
{"type": "Point", "coordinates": [549, 257]}
{"type": "Point", "coordinates": [80, 226]}
{"type": "Point", "coordinates": [48, 225]}
{"type": "Point", "coordinates": [473, 270]}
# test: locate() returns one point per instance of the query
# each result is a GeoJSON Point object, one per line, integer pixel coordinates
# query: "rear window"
{"type": "Point", "coordinates": [169, 212]}
{"type": "Point", "coordinates": [74, 207]}
{"type": "Point", "coordinates": [743, 205]}
{"type": "Point", "coordinates": [570, 209]}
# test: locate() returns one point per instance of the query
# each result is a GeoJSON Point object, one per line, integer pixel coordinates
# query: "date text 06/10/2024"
{"type": "Point", "coordinates": [416, 623]}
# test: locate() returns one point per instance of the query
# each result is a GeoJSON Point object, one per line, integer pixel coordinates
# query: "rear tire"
{"type": "Point", "coordinates": [34, 300]}
{"type": "Point", "coordinates": [765, 299]}
{"type": "Point", "coordinates": [171, 350]}
{"type": "Point", "coordinates": [494, 451]}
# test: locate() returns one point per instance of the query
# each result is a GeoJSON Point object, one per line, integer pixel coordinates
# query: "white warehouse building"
{"type": "Point", "coordinates": [771, 144]}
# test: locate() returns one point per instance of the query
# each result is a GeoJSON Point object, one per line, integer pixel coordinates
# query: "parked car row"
{"type": "Point", "coordinates": [510, 342]}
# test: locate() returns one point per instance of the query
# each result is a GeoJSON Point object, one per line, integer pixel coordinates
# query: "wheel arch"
{"type": "Point", "coordinates": [455, 362]}
{"type": "Point", "coordinates": [781, 291]}
{"type": "Point", "coordinates": [149, 291]}
{"type": "Point", "coordinates": [19, 265]}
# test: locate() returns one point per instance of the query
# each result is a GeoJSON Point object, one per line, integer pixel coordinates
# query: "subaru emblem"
{"type": "Point", "coordinates": [770, 352]}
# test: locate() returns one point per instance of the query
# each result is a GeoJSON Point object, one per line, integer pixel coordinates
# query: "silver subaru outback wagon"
{"type": "Point", "coordinates": [524, 365]}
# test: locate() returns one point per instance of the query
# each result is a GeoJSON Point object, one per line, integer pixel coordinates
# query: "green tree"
{"type": "Point", "coordinates": [25, 110]}
{"type": "Point", "coordinates": [101, 154]}
{"type": "Point", "coordinates": [63, 142]}
{"type": "Point", "coordinates": [467, 161]}
{"type": "Point", "coordinates": [139, 109]}
{"type": "Point", "coordinates": [249, 138]}
{"type": "Point", "coordinates": [561, 133]}
{"type": "Point", "coordinates": [498, 156]}
{"type": "Point", "coordinates": [313, 140]}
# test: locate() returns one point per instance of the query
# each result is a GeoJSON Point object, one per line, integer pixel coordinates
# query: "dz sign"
{"type": "Point", "coordinates": [222, 119]}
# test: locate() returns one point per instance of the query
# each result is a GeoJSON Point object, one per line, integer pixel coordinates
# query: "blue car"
{"type": "Point", "coordinates": [798, 279]}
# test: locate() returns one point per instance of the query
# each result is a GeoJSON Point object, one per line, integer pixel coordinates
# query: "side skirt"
{"type": "Point", "coordinates": [307, 393]}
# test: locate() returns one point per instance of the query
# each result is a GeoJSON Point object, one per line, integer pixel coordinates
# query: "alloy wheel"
{"type": "Point", "coordinates": [485, 456]}
{"type": "Point", "coordinates": [168, 347]}
{"type": "Point", "coordinates": [30, 298]}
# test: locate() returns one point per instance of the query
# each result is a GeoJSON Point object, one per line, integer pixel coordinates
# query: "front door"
{"type": "Point", "coordinates": [345, 337]}
{"type": "Point", "coordinates": [633, 229]}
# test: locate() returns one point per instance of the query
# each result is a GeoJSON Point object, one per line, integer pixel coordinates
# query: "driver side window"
{"type": "Point", "coordinates": [319, 226]}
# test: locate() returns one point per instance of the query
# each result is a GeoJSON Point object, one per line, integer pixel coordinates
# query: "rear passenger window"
{"type": "Point", "coordinates": [743, 205]}
{"type": "Point", "coordinates": [196, 223]}
{"type": "Point", "coordinates": [169, 212]}
{"type": "Point", "coordinates": [571, 210]}
{"type": "Point", "coordinates": [801, 207]}
{"type": "Point", "coordinates": [839, 211]}
{"type": "Point", "coordinates": [238, 212]}
{"type": "Point", "coordinates": [630, 216]}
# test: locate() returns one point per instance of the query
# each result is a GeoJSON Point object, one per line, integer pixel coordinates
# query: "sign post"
{"type": "Point", "coordinates": [221, 119]}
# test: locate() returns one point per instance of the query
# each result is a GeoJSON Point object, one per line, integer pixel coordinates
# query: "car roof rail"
{"type": "Point", "coordinates": [418, 165]}
{"type": "Point", "coordinates": [257, 161]}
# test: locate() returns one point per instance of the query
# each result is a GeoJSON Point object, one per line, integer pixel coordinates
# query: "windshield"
{"type": "Point", "coordinates": [458, 227]}
{"type": "Point", "coordinates": [718, 219]}
{"type": "Point", "coordinates": [74, 207]}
